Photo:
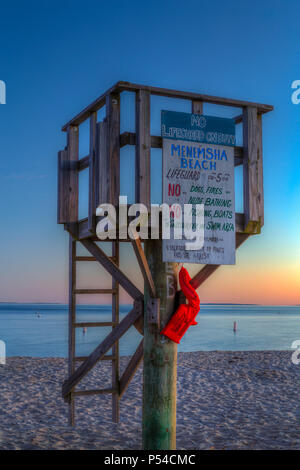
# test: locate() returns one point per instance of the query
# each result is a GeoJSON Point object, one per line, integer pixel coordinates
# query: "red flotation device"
{"type": "Point", "coordinates": [185, 315]}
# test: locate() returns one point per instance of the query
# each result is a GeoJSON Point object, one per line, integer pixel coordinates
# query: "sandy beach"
{"type": "Point", "coordinates": [226, 400]}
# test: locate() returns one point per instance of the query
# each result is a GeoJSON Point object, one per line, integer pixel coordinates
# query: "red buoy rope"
{"type": "Point", "coordinates": [185, 315]}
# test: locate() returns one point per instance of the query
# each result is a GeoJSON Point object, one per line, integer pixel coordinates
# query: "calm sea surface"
{"type": "Point", "coordinates": [42, 329]}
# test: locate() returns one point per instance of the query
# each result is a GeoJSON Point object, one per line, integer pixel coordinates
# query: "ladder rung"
{"type": "Point", "coordinates": [91, 258]}
{"type": "Point", "coordinates": [95, 392]}
{"type": "Point", "coordinates": [95, 291]}
{"type": "Point", "coordinates": [94, 324]}
{"type": "Point", "coordinates": [104, 358]}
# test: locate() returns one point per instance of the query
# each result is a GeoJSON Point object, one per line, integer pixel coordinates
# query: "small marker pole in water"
{"type": "Point", "coordinates": [234, 326]}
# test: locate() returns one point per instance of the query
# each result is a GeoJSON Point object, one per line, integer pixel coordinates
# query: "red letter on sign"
{"type": "Point", "coordinates": [174, 190]}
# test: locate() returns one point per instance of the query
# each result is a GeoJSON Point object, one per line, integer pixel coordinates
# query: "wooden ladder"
{"type": "Point", "coordinates": [74, 324]}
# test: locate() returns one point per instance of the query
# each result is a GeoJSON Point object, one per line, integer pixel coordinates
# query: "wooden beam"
{"type": "Point", "coordinates": [71, 321]}
{"type": "Point", "coordinates": [113, 269]}
{"type": "Point", "coordinates": [131, 368]}
{"type": "Point", "coordinates": [91, 108]}
{"type": "Point", "coordinates": [83, 163]}
{"type": "Point", "coordinates": [100, 350]}
{"type": "Point", "coordinates": [97, 324]}
{"type": "Point", "coordinates": [260, 171]}
{"type": "Point", "coordinates": [103, 391]}
{"type": "Point", "coordinates": [115, 369]}
{"type": "Point", "coordinates": [104, 358]}
{"type": "Point", "coordinates": [95, 291]}
{"type": "Point", "coordinates": [62, 183]}
{"type": "Point", "coordinates": [252, 182]}
{"type": "Point", "coordinates": [126, 86]}
{"type": "Point", "coordinates": [197, 107]}
{"type": "Point", "coordinates": [160, 358]}
{"type": "Point", "coordinates": [71, 189]}
{"type": "Point", "coordinates": [142, 148]}
{"type": "Point", "coordinates": [143, 263]}
{"type": "Point", "coordinates": [102, 166]}
{"type": "Point", "coordinates": [113, 146]}
{"type": "Point", "coordinates": [186, 95]}
{"type": "Point", "coordinates": [92, 173]}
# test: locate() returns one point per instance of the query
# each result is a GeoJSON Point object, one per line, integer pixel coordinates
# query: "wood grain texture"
{"type": "Point", "coordinates": [113, 146]}
{"type": "Point", "coordinates": [197, 107]}
{"type": "Point", "coordinates": [260, 171]}
{"type": "Point", "coordinates": [99, 352]}
{"type": "Point", "coordinates": [143, 264]}
{"type": "Point", "coordinates": [71, 189]}
{"type": "Point", "coordinates": [62, 181]}
{"type": "Point", "coordinates": [92, 173]}
{"type": "Point", "coordinates": [160, 358]}
{"type": "Point", "coordinates": [102, 165]}
{"type": "Point", "coordinates": [142, 148]}
{"type": "Point", "coordinates": [71, 321]}
{"type": "Point", "coordinates": [252, 182]}
{"type": "Point", "coordinates": [126, 86]}
{"type": "Point", "coordinates": [115, 349]}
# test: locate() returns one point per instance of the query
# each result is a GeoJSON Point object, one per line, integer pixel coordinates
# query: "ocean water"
{"type": "Point", "coordinates": [258, 328]}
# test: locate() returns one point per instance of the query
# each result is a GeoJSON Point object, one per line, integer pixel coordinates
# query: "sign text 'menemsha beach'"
{"type": "Point", "coordinates": [198, 169]}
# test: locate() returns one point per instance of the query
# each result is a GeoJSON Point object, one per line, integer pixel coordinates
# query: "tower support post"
{"type": "Point", "coordinates": [160, 357]}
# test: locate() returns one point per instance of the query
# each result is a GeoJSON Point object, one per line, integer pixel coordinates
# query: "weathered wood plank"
{"type": "Point", "coordinates": [252, 192]}
{"type": "Point", "coordinates": [104, 358]}
{"type": "Point", "coordinates": [100, 350]}
{"type": "Point", "coordinates": [143, 263]}
{"type": "Point", "coordinates": [83, 163]}
{"type": "Point", "coordinates": [97, 324]}
{"type": "Point", "coordinates": [92, 160]}
{"type": "Point", "coordinates": [71, 321]}
{"type": "Point", "coordinates": [142, 148]}
{"type": "Point", "coordinates": [113, 146]}
{"type": "Point", "coordinates": [102, 166]}
{"type": "Point", "coordinates": [131, 368]}
{"type": "Point", "coordinates": [160, 358]}
{"type": "Point", "coordinates": [197, 107]}
{"type": "Point", "coordinates": [115, 349]}
{"type": "Point", "coordinates": [260, 171]}
{"type": "Point", "coordinates": [91, 108]}
{"type": "Point", "coordinates": [71, 189]}
{"type": "Point", "coordinates": [62, 181]}
{"type": "Point", "coordinates": [113, 269]}
{"type": "Point", "coordinates": [126, 86]}
{"type": "Point", "coordinates": [103, 391]}
{"type": "Point", "coordinates": [95, 291]}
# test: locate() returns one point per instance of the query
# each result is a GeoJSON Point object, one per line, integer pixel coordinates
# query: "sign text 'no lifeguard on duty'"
{"type": "Point", "coordinates": [198, 168]}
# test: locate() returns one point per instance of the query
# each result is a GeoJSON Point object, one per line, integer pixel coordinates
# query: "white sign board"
{"type": "Point", "coordinates": [198, 168]}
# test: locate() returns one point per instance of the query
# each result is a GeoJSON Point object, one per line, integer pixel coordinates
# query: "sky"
{"type": "Point", "coordinates": [58, 56]}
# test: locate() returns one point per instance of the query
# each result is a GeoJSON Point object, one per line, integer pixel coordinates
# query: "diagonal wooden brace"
{"type": "Point", "coordinates": [117, 274]}
{"type": "Point", "coordinates": [131, 368]}
{"type": "Point", "coordinates": [142, 260]}
{"type": "Point", "coordinates": [113, 269]}
{"type": "Point", "coordinates": [103, 347]}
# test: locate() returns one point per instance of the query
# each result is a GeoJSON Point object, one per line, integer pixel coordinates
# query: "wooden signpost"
{"type": "Point", "coordinates": [203, 174]}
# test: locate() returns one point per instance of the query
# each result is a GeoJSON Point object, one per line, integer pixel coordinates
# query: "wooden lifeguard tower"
{"type": "Point", "coordinates": [103, 161]}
